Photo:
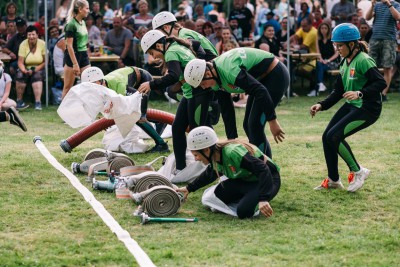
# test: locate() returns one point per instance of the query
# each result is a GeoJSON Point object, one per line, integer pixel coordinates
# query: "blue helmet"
{"type": "Point", "coordinates": [345, 32]}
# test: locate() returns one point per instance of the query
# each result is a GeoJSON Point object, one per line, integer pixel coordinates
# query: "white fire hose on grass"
{"type": "Point", "coordinates": [141, 257]}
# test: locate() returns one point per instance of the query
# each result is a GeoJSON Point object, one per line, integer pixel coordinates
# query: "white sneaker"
{"type": "Point", "coordinates": [170, 100]}
{"type": "Point", "coordinates": [313, 93]}
{"type": "Point", "coordinates": [322, 87]}
{"type": "Point", "coordinates": [329, 184]}
{"type": "Point", "coordinates": [357, 179]}
{"type": "Point", "coordinates": [176, 172]}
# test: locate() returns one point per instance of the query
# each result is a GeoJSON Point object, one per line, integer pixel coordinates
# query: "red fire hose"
{"type": "Point", "coordinates": [102, 124]}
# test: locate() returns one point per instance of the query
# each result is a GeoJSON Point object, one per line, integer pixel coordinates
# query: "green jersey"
{"type": "Point", "coordinates": [177, 52]}
{"type": "Point", "coordinates": [79, 33]}
{"type": "Point", "coordinates": [232, 155]}
{"type": "Point", "coordinates": [118, 79]}
{"type": "Point", "coordinates": [204, 42]}
{"type": "Point", "coordinates": [231, 63]}
{"type": "Point", "coordinates": [353, 75]}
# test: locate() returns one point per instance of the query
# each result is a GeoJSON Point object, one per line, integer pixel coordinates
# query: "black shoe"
{"type": "Point", "coordinates": [159, 148]}
{"type": "Point", "coordinates": [21, 105]}
{"type": "Point", "coordinates": [15, 118]}
{"type": "Point", "coordinates": [384, 98]}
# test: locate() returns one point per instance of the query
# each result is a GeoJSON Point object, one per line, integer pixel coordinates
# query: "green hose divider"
{"type": "Point", "coordinates": [144, 218]}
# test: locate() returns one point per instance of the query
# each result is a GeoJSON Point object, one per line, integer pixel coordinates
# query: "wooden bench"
{"type": "Point", "coordinates": [336, 72]}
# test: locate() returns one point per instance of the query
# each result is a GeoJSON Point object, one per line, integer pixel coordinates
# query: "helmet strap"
{"type": "Point", "coordinates": [351, 50]}
{"type": "Point", "coordinates": [163, 42]}
{"type": "Point", "coordinates": [213, 77]}
{"type": "Point", "coordinates": [172, 28]}
{"type": "Point", "coordinates": [159, 50]}
{"type": "Point", "coordinates": [209, 158]}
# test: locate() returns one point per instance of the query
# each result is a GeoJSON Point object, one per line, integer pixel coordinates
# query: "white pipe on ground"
{"type": "Point", "coordinates": [141, 257]}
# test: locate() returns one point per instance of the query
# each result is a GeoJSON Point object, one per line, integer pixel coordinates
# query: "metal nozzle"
{"type": "Point", "coordinates": [75, 167]}
{"type": "Point", "coordinates": [65, 146]}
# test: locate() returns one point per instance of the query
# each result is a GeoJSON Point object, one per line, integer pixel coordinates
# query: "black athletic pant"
{"type": "Point", "coordinates": [276, 83]}
{"type": "Point", "coordinates": [244, 193]}
{"type": "Point", "coordinates": [3, 116]}
{"type": "Point", "coordinates": [347, 121]}
{"type": "Point", "coordinates": [191, 112]}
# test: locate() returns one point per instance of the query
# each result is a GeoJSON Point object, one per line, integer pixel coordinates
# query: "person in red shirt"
{"type": "Point", "coordinates": [40, 26]}
{"type": "Point", "coordinates": [317, 18]}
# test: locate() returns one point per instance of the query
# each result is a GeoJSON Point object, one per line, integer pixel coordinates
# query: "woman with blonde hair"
{"type": "Point", "coordinates": [76, 35]}
{"type": "Point", "coordinates": [226, 37]}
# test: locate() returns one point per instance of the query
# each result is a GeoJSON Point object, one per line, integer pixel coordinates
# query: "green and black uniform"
{"type": "Point", "coordinates": [252, 178]}
{"type": "Point", "coordinates": [361, 74]}
{"type": "Point", "coordinates": [221, 100]}
{"type": "Point", "coordinates": [209, 48]}
{"type": "Point", "coordinates": [124, 81]}
{"type": "Point", "coordinates": [79, 33]}
{"type": "Point", "coordinates": [244, 70]}
{"type": "Point", "coordinates": [193, 108]}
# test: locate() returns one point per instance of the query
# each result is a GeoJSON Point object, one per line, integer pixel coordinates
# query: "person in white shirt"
{"type": "Point", "coordinates": [5, 88]}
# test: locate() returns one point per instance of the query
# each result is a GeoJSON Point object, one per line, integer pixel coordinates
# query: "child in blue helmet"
{"type": "Point", "coordinates": [361, 84]}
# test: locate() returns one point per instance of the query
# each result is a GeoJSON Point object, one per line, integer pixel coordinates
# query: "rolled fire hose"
{"type": "Point", "coordinates": [159, 201]}
{"type": "Point", "coordinates": [134, 170]}
{"type": "Point", "coordinates": [102, 124]}
{"type": "Point", "coordinates": [119, 162]}
{"type": "Point", "coordinates": [144, 181]}
{"type": "Point", "coordinates": [85, 166]}
{"type": "Point", "coordinates": [95, 153]}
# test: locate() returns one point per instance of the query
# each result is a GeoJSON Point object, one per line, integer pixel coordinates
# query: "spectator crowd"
{"type": "Point", "coordinates": [265, 25]}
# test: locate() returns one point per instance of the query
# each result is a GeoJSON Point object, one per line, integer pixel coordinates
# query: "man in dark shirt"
{"type": "Point", "coordinates": [244, 17]}
{"type": "Point", "coordinates": [12, 45]}
{"type": "Point", "coordinates": [96, 11]}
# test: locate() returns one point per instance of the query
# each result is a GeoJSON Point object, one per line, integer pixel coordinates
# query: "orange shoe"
{"type": "Point", "coordinates": [329, 184]}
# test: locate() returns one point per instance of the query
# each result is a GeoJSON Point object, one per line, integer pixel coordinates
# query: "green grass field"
{"type": "Point", "coordinates": [46, 222]}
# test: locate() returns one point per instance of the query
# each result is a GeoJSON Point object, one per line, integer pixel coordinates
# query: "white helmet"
{"type": "Point", "coordinates": [162, 18]}
{"type": "Point", "coordinates": [92, 74]}
{"type": "Point", "coordinates": [150, 38]}
{"type": "Point", "coordinates": [194, 72]}
{"type": "Point", "coordinates": [201, 137]}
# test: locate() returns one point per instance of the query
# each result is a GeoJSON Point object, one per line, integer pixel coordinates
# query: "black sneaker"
{"type": "Point", "coordinates": [159, 148]}
{"type": "Point", "coordinates": [15, 118]}
{"type": "Point", "coordinates": [21, 105]}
